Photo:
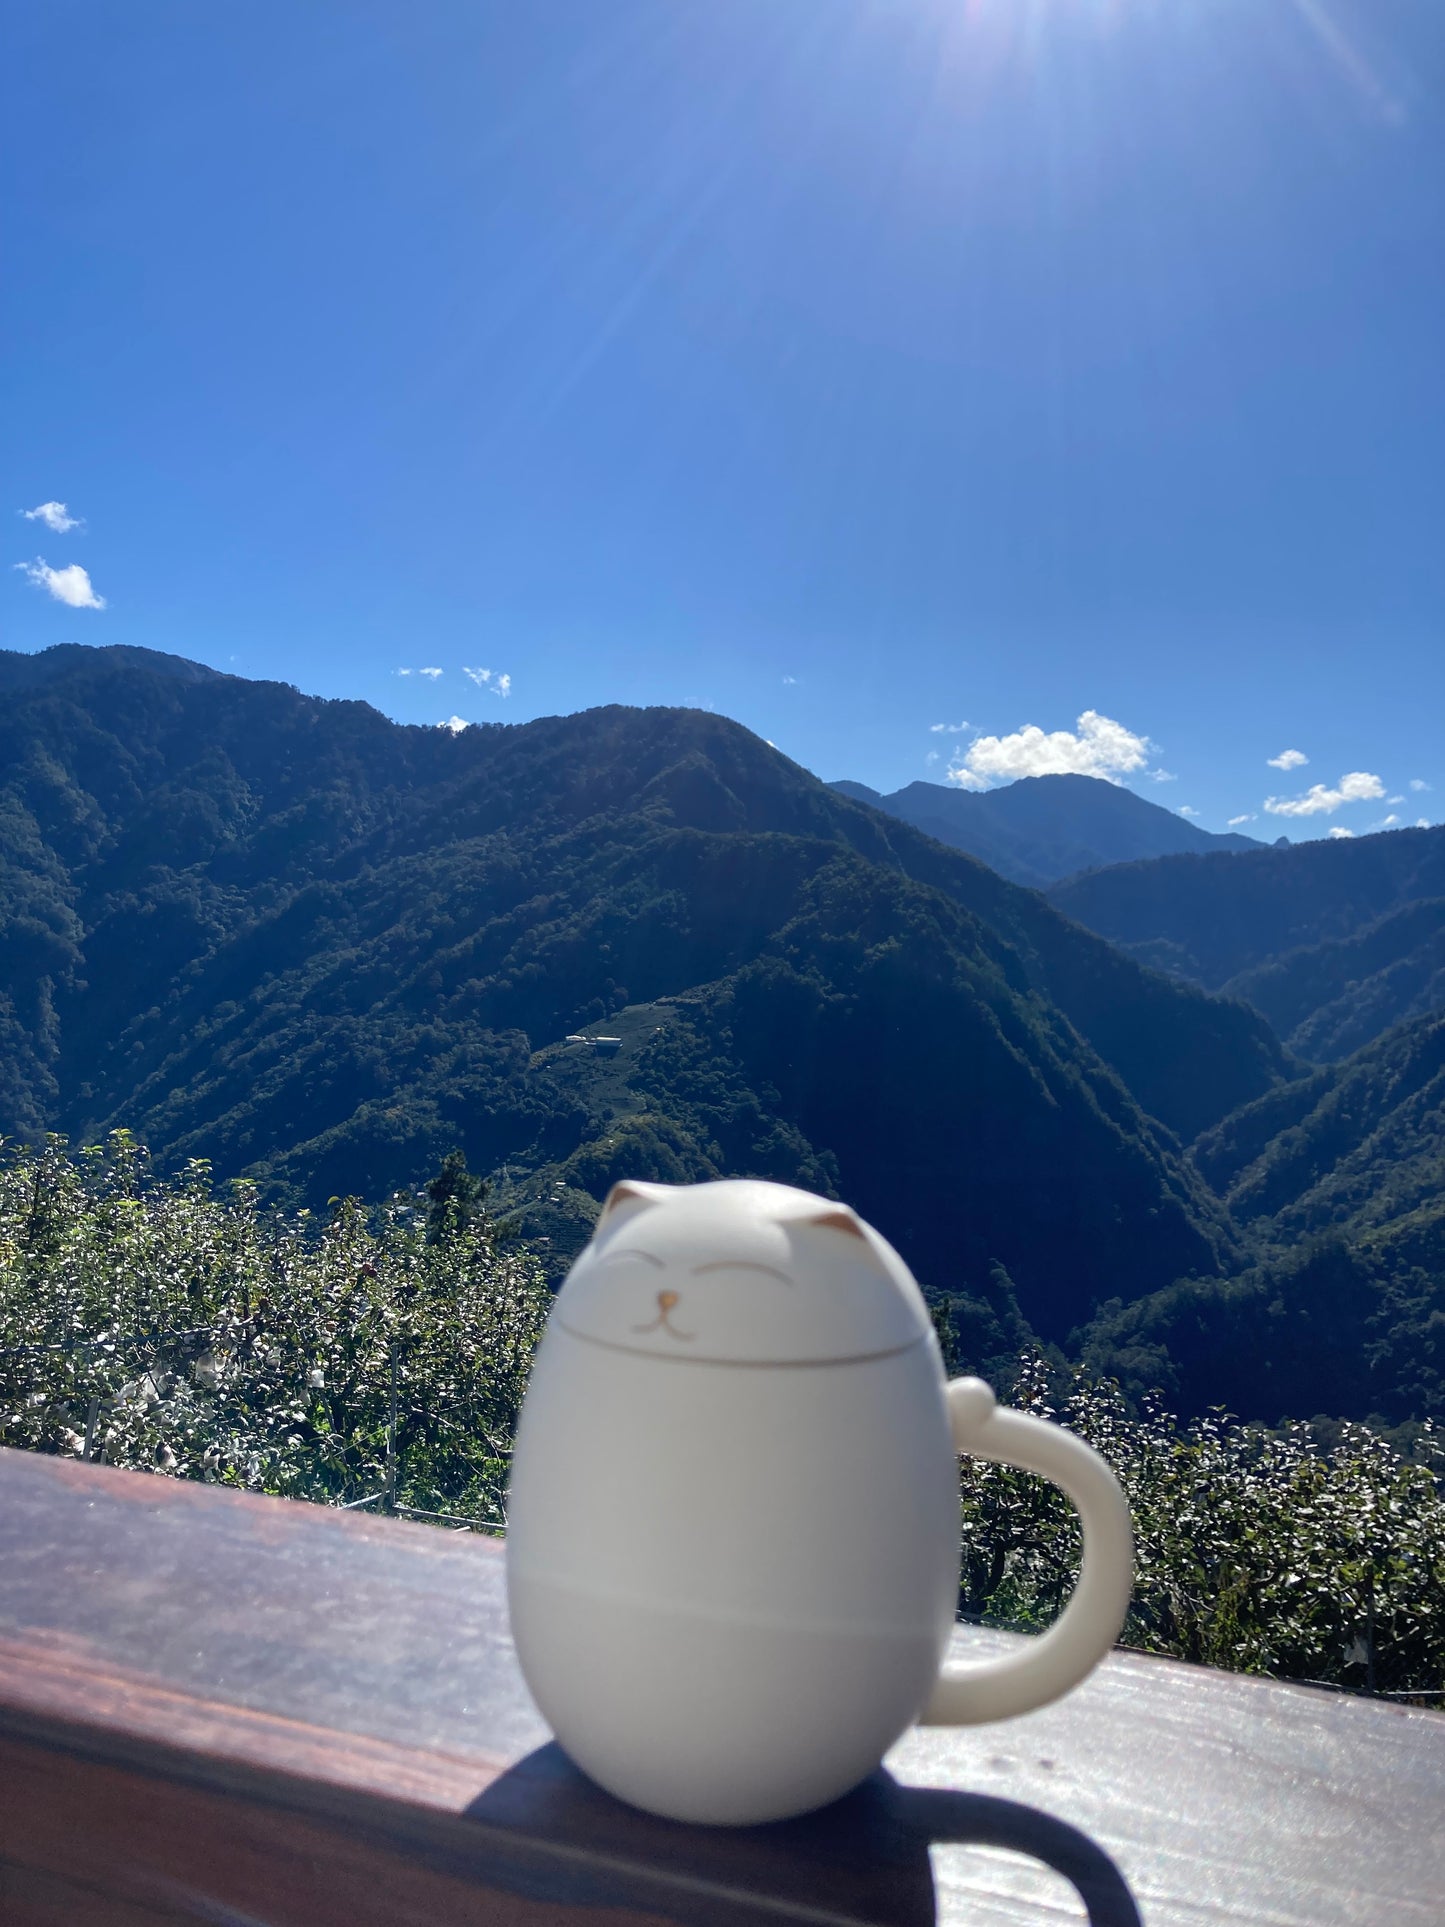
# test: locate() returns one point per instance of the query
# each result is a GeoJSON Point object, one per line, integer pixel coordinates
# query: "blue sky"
{"type": "Point", "coordinates": [848, 366]}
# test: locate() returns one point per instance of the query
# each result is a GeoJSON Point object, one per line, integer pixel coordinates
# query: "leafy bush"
{"type": "Point", "coordinates": [255, 1349]}
{"type": "Point", "coordinates": [1258, 1551]}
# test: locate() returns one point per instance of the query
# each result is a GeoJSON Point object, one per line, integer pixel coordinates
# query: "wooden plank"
{"type": "Point", "coordinates": [225, 1708]}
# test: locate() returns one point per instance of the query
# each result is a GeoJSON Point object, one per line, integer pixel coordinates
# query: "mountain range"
{"type": "Point", "coordinates": [1333, 941]}
{"type": "Point", "coordinates": [317, 947]}
{"type": "Point", "coordinates": [321, 949]}
{"type": "Point", "coordinates": [1336, 1179]}
{"type": "Point", "coordinates": [1042, 828]}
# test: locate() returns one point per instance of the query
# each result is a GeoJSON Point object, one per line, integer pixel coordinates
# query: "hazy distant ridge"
{"type": "Point", "coordinates": [1333, 941]}
{"type": "Point", "coordinates": [1042, 828]}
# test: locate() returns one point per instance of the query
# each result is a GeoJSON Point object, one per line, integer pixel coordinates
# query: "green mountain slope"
{"type": "Point", "coordinates": [1360, 1144]}
{"type": "Point", "coordinates": [1343, 1178]}
{"type": "Point", "coordinates": [1334, 942]}
{"type": "Point", "coordinates": [307, 943]}
{"type": "Point", "coordinates": [1327, 1000]}
{"type": "Point", "coordinates": [1211, 917]}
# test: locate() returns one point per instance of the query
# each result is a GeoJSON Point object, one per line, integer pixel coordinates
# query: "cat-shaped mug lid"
{"type": "Point", "coordinates": [739, 1272]}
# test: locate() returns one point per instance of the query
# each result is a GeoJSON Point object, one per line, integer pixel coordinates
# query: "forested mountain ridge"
{"type": "Point", "coordinates": [1359, 1144]}
{"type": "Point", "coordinates": [302, 941]}
{"type": "Point", "coordinates": [1333, 941]}
{"type": "Point", "coordinates": [32, 670]}
{"type": "Point", "coordinates": [1328, 999]}
{"type": "Point", "coordinates": [1340, 1179]}
{"type": "Point", "coordinates": [1213, 916]}
{"type": "Point", "coordinates": [1336, 1179]}
{"type": "Point", "coordinates": [1041, 828]}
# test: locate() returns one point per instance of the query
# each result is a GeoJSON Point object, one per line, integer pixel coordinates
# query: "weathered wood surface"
{"type": "Point", "coordinates": [241, 1711]}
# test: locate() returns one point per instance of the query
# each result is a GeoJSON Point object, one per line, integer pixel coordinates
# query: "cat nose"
{"type": "Point", "coordinates": [667, 1299]}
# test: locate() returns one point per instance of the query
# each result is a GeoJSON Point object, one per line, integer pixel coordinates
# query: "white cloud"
{"type": "Point", "coordinates": [1338, 830]}
{"type": "Point", "coordinates": [53, 515]}
{"type": "Point", "coordinates": [789, 679]}
{"type": "Point", "coordinates": [1235, 821]}
{"type": "Point", "coordinates": [1386, 822]}
{"type": "Point", "coordinates": [433, 673]}
{"type": "Point", "coordinates": [1288, 759]}
{"type": "Point", "coordinates": [933, 756]}
{"type": "Point", "coordinates": [949, 729]}
{"type": "Point", "coordinates": [1422, 822]}
{"type": "Point", "coordinates": [497, 680]}
{"type": "Point", "coordinates": [1358, 787]}
{"type": "Point", "coordinates": [1162, 776]}
{"type": "Point", "coordinates": [1418, 785]}
{"type": "Point", "coordinates": [70, 586]}
{"type": "Point", "coordinates": [403, 672]}
{"type": "Point", "coordinates": [456, 724]}
{"type": "Point", "coordinates": [1186, 809]}
{"type": "Point", "coordinates": [1394, 799]}
{"type": "Point", "coordinates": [1101, 747]}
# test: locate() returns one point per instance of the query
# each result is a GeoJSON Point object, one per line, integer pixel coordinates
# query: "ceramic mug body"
{"type": "Point", "coordinates": [733, 1526]}
{"type": "Point", "coordinates": [731, 1586]}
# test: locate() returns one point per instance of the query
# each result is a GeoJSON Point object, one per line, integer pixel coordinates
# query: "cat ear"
{"type": "Point", "coordinates": [838, 1217]}
{"type": "Point", "coordinates": [633, 1192]}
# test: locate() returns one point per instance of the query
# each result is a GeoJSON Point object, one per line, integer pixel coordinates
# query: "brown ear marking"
{"type": "Point", "coordinates": [841, 1219]}
{"type": "Point", "coordinates": [626, 1191]}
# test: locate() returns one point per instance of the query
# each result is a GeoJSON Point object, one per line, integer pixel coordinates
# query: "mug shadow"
{"type": "Point", "coordinates": [864, 1859]}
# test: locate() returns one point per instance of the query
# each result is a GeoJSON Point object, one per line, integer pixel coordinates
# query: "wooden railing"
{"type": "Point", "coordinates": [227, 1709]}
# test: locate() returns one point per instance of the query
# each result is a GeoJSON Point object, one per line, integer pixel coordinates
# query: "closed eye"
{"type": "Point", "coordinates": [741, 1264]}
{"type": "Point", "coordinates": [647, 1257]}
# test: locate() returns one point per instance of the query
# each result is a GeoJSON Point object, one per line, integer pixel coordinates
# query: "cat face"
{"type": "Point", "coordinates": [739, 1272]}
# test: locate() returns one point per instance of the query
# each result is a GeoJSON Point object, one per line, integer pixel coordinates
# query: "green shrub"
{"type": "Point", "coordinates": [215, 1340]}
{"type": "Point", "coordinates": [253, 1348]}
{"type": "Point", "coordinates": [1256, 1550]}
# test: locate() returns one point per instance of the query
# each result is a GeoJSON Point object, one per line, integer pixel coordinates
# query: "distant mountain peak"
{"type": "Point", "coordinates": [1043, 828]}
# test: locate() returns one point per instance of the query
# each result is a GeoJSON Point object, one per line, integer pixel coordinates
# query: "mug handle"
{"type": "Point", "coordinates": [1088, 1626]}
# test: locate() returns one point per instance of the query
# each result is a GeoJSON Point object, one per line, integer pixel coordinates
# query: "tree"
{"type": "Point", "coordinates": [458, 1200]}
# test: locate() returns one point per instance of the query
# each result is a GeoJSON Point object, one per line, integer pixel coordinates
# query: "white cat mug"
{"type": "Point", "coordinates": [733, 1524]}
